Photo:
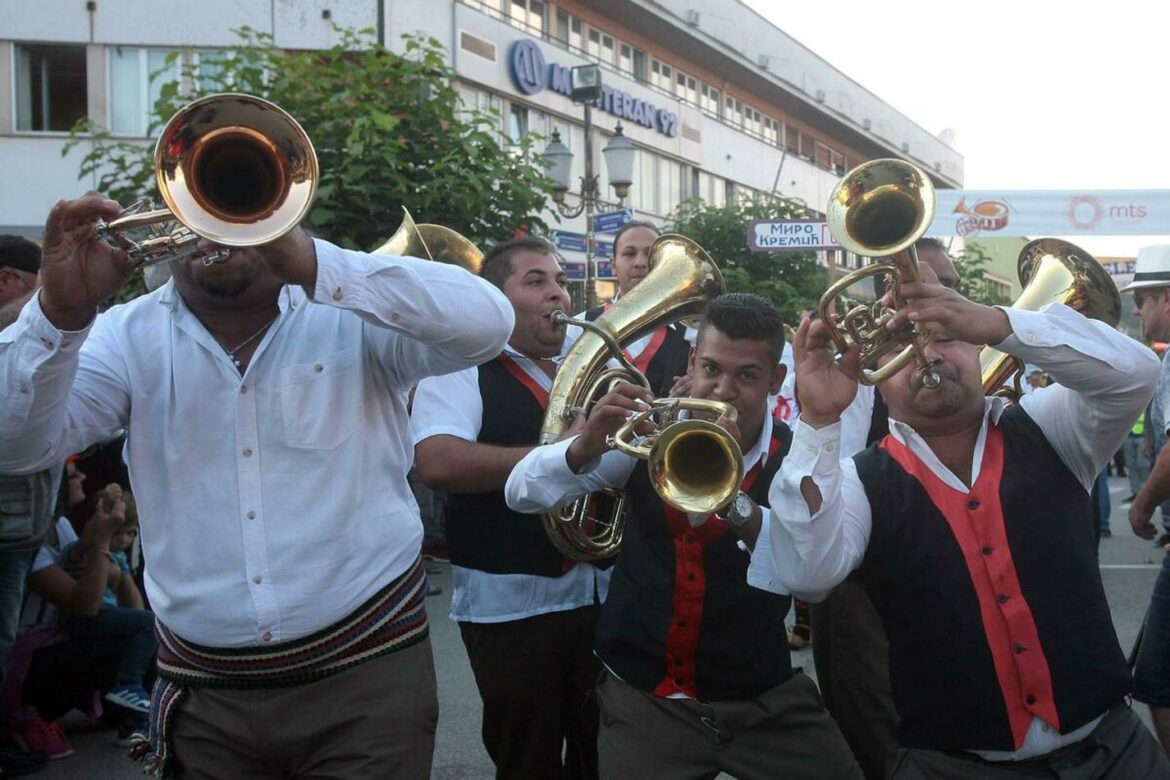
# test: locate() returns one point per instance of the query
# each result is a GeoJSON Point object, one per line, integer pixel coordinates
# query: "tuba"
{"type": "Point", "coordinates": [879, 210]}
{"type": "Point", "coordinates": [232, 168]}
{"type": "Point", "coordinates": [694, 464]}
{"type": "Point", "coordinates": [1051, 271]}
{"type": "Point", "coordinates": [432, 242]}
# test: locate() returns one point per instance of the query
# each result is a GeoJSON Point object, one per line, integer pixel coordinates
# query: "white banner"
{"type": "Point", "coordinates": [973, 213]}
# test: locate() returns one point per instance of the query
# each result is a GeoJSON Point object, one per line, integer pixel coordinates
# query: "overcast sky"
{"type": "Point", "coordinates": [1042, 94]}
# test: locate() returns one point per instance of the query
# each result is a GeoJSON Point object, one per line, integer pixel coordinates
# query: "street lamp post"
{"type": "Point", "coordinates": [619, 162]}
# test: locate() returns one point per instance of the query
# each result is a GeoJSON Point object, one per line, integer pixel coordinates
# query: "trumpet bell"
{"type": "Point", "coordinates": [881, 208]}
{"type": "Point", "coordinates": [432, 242]}
{"type": "Point", "coordinates": [696, 466]}
{"type": "Point", "coordinates": [236, 169]}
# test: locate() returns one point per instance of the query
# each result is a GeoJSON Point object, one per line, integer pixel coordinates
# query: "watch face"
{"type": "Point", "coordinates": [743, 505]}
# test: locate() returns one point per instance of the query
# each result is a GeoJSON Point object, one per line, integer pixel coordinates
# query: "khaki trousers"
{"type": "Point", "coordinates": [375, 720]}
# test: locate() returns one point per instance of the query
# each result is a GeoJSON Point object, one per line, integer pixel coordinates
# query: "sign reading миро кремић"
{"type": "Point", "coordinates": [531, 75]}
{"type": "Point", "coordinates": [792, 235]}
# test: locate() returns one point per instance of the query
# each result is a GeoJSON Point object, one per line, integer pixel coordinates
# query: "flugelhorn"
{"type": "Point", "coordinates": [1051, 271]}
{"type": "Point", "coordinates": [692, 466]}
{"type": "Point", "coordinates": [879, 210]}
{"type": "Point", "coordinates": [235, 169]}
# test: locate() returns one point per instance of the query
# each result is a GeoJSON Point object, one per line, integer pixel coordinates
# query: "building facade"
{"type": "Point", "coordinates": [720, 103]}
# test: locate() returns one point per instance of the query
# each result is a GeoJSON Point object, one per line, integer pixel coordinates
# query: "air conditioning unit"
{"type": "Point", "coordinates": [692, 17]}
{"type": "Point", "coordinates": [820, 96]}
{"type": "Point", "coordinates": [866, 123]}
{"type": "Point", "coordinates": [763, 61]}
{"type": "Point", "coordinates": [905, 148]}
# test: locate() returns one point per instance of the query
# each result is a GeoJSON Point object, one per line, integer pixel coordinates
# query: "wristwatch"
{"type": "Point", "coordinates": [739, 511]}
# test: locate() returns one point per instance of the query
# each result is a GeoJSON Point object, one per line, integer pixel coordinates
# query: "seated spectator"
{"type": "Point", "coordinates": [95, 647]}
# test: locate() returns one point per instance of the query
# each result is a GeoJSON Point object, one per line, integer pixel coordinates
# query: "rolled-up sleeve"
{"type": "Point", "coordinates": [426, 318]}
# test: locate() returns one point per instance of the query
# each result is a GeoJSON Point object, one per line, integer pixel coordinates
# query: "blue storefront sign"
{"type": "Point", "coordinates": [574, 272]}
{"type": "Point", "coordinates": [602, 249]}
{"type": "Point", "coordinates": [531, 74]}
{"type": "Point", "coordinates": [568, 241]}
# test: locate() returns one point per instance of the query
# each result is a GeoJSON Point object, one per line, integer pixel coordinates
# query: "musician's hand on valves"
{"type": "Point", "coordinates": [79, 270]}
{"type": "Point", "coordinates": [605, 418]}
{"type": "Point", "coordinates": [825, 386]}
{"type": "Point", "coordinates": [946, 310]}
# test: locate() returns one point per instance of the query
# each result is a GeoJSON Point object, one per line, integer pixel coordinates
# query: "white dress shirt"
{"type": "Point", "coordinates": [272, 504]}
{"type": "Point", "coordinates": [542, 480]}
{"type": "Point", "coordinates": [451, 405]}
{"type": "Point", "coordinates": [1104, 381]}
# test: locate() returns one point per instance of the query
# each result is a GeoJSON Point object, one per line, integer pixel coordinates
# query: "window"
{"type": "Point", "coordinates": [569, 31]}
{"type": "Point", "coordinates": [517, 123]}
{"type": "Point", "coordinates": [753, 121]}
{"type": "Point", "coordinates": [793, 140]}
{"type": "Point", "coordinates": [527, 14]}
{"type": "Point", "coordinates": [661, 75]}
{"type": "Point", "coordinates": [632, 61]}
{"type": "Point", "coordinates": [709, 99]}
{"type": "Point", "coordinates": [773, 130]}
{"type": "Point", "coordinates": [51, 87]}
{"type": "Point", "coordinates": [685, 88]}
{"type": "Point", "coordinates": [601, 45]}
{"type": "Point", "coordinates": [137, 77]}
{"type": "Point", "coordinates": [733, 111]}
{"type": "Point", "coordinates": [493, 8]}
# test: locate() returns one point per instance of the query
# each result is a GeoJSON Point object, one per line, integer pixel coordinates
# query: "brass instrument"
{"type": "Point", "coordinates": [1051, 271]}
{"type": "Point", "coordinates": [879, 210]}
{"type": "Point", "coordinates": [432, 242]}
{"type": "Point", "coordinates": [232, 168]}
{"type": "Point", "coordinates": [691, 466]}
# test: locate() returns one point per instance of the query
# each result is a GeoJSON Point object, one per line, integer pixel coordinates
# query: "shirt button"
{"type": "Point", "coordinates": [688, 538]}
{"type": "Point", "coordinates": [829, 447]}
{"type": "Point", "coordinates": [1017, 649]}
{"type": "Point", "coordinates": [251, 515]}
{"type": "Point", "coordinates": [247, 452]}
{"type": "Point", "coordinates": [243, 389]}
{"type": "Point", "coordinates": [1029, 699]}
{"type": "Point", "coordinates": [337, 294]}
{"type": "Point", "coordinates": [394, 317]}
{"type": "Point", "coordinates": [318, 368]}
{"type": "Point", "coordinates": [1031, 338]}
{"type": "Point", "coordinates": [691, 577]}
{"type": "Point", "coordinates": [48, 344]}
{"type": "Point", "coordinates": [1002, 598]}
{"type": "Point", "coordinates": [972, 505]}
{"type": "Point", "coordinates": [257, 580]}
{"type": "Point", "coordinates": [266, 636]}
{"type": "Point", "coordinates": [682, 624]}
{"type": "Point", "coordinates": [988, 550]}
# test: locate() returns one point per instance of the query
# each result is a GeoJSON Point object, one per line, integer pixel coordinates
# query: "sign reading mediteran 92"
{"type": "Point", "coordinates": [531, 75]}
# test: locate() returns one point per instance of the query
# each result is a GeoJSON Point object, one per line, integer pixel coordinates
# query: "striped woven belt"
{"type": "Point", "coordinates": [392, 619]}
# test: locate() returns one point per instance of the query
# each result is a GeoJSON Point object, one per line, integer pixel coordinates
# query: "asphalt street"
{"type": "Point", "coordinates": [1128, 568]}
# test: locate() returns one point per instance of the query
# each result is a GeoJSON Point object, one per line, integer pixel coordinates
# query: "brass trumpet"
{"type": "Point", "coordinates": [432, 242]}
{"type": "Point", "coordinates": [235, 169]}
{"type": "Point", "coordinates": [879, 210]}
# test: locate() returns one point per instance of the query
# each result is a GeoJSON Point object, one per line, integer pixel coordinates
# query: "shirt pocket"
{"type": "Point", "coordinates": [16, 521]}
{"type": "Point", "coordinates": [321, 402]}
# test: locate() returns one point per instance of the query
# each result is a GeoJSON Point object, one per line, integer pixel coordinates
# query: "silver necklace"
{"type": "Point", "coordinates": [231, 353]}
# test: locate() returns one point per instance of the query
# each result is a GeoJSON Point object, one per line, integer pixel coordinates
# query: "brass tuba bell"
{"type": "Point", "coordinates": [692, 465]}
{"type": "Point", "coordinates": [1051, 271]}
{"type": "Point", "coordinates": [232, 168]}
{"type": "Point", "coordinates": [431, 242]}
{"type": "Point", "coordinates": [880, 209]}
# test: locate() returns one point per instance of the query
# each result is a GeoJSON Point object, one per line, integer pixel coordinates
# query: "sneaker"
{"type": "Point", "coordinates": [132, 697]}
{"type": "Point", "coordinates": [798, 637]}
{"type": "Point", "coordinates": [434, 590]}
{"type": "Point", "coordinates": [37, 734]}
{"type": "Point", "coordinates": [131, 729]}
{"type": "Point", "coordinates": [1106, 532]}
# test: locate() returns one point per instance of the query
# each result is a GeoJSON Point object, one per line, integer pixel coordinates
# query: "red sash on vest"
{"type": "Point", "coordinates": [524, 378]}
{"type": "Point", "coordinates": [976, 520]}
{"type": "Point", "coordinates": [690, 588]}
{"type": "Point", "coordinates": [642, 361]}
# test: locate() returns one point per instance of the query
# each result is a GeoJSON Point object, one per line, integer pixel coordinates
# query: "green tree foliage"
{"type": "Point", "coordinates": [791, 280]}
{"type": "Point", "coordinates": [389, 131]}
{"type": "Point", "coordinates": [972, 264]}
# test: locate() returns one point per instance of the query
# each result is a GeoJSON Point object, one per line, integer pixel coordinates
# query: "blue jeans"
{"type": "Point", "coordinates": [1151, 673]}
{"type": "Point", "coordinates": [14, 569]}
{"type": "Point", "coordinates": [128, 634]}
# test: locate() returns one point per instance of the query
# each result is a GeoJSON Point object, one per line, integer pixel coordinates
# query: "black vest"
{"type": "Point", "coordinates": [942, 668]}
{"type": "Point", "coordinates": [482, 532]}
{"type": "Point", "coordinates": [743, 646]}
{"type": "Point", "coordinates": [668, 362]}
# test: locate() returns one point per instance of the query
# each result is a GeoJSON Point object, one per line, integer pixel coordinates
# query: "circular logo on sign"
{"type": "Point", "coordinates": [526, 64]}
{"type": "Point", "coordinates": [1085, 212]}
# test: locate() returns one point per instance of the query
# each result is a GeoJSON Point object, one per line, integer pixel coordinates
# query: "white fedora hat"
{"type": "Point", "coordinates": [1152, 268]}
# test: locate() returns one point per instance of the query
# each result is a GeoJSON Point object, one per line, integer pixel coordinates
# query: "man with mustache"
{"type": "Point", "coordinates": [969, 526]}
{"type": "Point", "coordinates": [526, 614]}
{"type": "Point", "coordinates": [264, 399]}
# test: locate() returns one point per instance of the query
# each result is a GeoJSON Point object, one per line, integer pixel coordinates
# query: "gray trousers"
{"type": "Point", "coordinates": [783, 733]}
{"type": "Point", "coordinates": [1120, 748]}
{"type": "Point", "coordinates": [375, 720]}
